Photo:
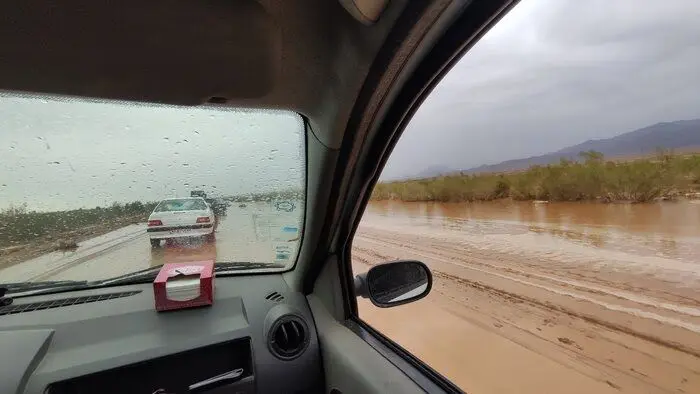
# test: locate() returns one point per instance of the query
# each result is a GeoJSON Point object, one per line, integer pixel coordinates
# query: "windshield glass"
{"type": "Point", "coordinates": [181, 205]}
{"type": "Point", "coordinates": [96, 189]}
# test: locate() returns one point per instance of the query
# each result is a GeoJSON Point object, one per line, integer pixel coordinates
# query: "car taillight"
{"type": "Point", "coordinates": [203, 219]}
{"type": "Point", "coordinates": [154, 223]}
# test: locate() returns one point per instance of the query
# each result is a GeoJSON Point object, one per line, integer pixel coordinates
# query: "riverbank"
{"type": "Point", "coordinates": [593, 179]}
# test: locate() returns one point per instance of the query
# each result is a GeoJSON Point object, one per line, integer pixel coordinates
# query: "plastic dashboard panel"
{"type": "Point", "coordinates": [52, 345]}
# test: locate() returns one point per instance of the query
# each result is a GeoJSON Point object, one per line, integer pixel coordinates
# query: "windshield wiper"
{"type": "Point", "coordinates": [149, 274]}
{"type": "Point", "coordinates": [36, 288]}
{"type": "Point", "coordinates": [145, 275]}
{"type": "Point", "coordinates": [26, 286]}
{"type": "Point", "coordinates": [242, 266]}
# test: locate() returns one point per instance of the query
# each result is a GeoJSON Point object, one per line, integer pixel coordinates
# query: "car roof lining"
{"type": "Point", "coordinates": [309, 56]}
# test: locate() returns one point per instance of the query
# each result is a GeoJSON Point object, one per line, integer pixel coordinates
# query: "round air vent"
{"type": "Point", "coordinates": [288, 337]}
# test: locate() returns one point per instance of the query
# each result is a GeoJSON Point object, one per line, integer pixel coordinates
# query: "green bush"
{"type": "Point", "coordinates": [591, 178]}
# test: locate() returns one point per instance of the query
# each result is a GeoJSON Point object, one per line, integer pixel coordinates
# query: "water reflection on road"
{"type": "Point", "coordinates": [667, 229]}
{"type": "Point", "coordinates": [252, 232]}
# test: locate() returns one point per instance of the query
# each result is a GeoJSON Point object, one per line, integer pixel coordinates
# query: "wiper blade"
{"type": "Point", "coordinates": [145, 275]}
{"type": "Point", "coordinates": [243, 265]}
{"type": "Point", "coordinates": [131, 277]}
{"type": "Point", "coordinates": [149, 274]}
{"type": "Point", "coordinates": [37, 288]}
{"type": "Point", "coordinates": [26, 286]}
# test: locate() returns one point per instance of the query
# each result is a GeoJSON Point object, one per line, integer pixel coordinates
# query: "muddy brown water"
{"type": "Point", "coordinates": [665, 234]}
{"type": "Point", "coordinates": [558, 297]}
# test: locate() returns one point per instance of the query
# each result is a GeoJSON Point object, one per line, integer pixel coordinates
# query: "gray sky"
{"type": "Point", "coordinates": [555, 73]}
{"type": "Point", "coordinates": [552, 73]}
{"type": "Point", "coordinates": [70, 154]}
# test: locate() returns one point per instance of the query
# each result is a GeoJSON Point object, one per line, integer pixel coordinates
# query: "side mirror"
{"type": "Point", "coordinates": [394, 283]}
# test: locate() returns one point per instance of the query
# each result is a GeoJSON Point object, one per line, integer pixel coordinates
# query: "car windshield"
{"type": "Point", "coordinates": [181, 205]}
{"type": "Point", "coordinates": [95, 189]}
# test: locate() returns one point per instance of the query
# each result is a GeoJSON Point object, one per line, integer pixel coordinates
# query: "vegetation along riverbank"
{"type": "Point", "coordinates": [592, 178]}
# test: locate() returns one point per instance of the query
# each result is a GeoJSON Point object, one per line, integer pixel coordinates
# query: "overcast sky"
{"type": "Point", "coordinates": [69, 154]}
{"type": "Point", "coordinates": [554, 73]}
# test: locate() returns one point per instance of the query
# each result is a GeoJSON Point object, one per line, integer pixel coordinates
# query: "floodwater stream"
{"type": "Point", "coordinates": [662, 237]}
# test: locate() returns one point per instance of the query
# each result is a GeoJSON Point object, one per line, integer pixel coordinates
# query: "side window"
{"type": "Point", "coordinates": [551, 183]}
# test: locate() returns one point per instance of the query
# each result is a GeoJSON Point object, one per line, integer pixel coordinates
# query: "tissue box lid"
{"type": "Point", "coordinates": [205, 270]}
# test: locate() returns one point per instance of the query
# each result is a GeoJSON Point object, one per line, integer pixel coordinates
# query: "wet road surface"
{"type": "Point", "coordinates": [525, 303]}
{"type": "Point", "coordinates": [246, 233]}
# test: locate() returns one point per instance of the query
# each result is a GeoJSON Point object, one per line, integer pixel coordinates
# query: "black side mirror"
{"type": "Point", "coordinates": [394, 283]}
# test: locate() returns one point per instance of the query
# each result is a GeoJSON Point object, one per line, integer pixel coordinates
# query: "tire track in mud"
{"type": "Point", "coordinates": [601, 287]}
{"type": "Point", "coordinates": [626, 373]}
{"type": "Point", "coordinates": [568, 354]}
{"type": "Point", "coordinates": [370, 254]}
{"type": "Point", "coordinates": [518, 298]}
{"type": "Point", "coordinates": [458, 250]}
{"type": "Point", "coordinates": [602, 303]}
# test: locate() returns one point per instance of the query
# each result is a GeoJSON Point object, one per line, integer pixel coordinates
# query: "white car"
{"type": "Point", "coordinates": [179, 218]}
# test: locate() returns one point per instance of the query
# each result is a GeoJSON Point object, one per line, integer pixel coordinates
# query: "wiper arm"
{"type": "Point", "coordinates": [36, 288]}
{"type": "Point", "coordinates": [149, 274]}
{"type": "Point", "coordinates": [26, 286]}
{"type": "Point", "coordinates": [243, 265]}
{"type": "Point", "coordinates": [145, 275]}
{"type": "Point", "coordinates": [131, 277]}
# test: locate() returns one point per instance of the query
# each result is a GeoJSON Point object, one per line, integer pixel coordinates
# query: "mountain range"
{"type": "Point", "coordinates": [681, 135]}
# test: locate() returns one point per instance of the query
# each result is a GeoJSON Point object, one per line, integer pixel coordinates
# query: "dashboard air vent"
{"type": "Point", "coordinates": [35, 306]}
{"type": "Point", "coordinates": [288, 337]}
{"type": "Point", "coordinates": [274, 296]}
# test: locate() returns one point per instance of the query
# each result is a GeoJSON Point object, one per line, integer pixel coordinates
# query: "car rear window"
{"type": "Point", "coordinates": [181, 205]}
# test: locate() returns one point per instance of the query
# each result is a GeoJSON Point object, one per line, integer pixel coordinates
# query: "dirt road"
{"type": "Point", "coordinates": [501, 320]}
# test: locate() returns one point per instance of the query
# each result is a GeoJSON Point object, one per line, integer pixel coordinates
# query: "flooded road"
{"type": "Point", "coordinates": [566, 298]}
{"type": "Point", "coordinates": [248, 232]}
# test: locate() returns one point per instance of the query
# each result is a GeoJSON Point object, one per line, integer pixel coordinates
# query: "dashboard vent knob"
{"type": "Point", "coordinates": [288, 337]}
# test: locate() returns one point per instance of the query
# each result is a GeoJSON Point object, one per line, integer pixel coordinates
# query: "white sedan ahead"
{"type": "Point", "coordinates": [179, 218]}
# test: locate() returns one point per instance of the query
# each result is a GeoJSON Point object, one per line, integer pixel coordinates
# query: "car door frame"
{"type": "Point", "coordinates": [472, 22]}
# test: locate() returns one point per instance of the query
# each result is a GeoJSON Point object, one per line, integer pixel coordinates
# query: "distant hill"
{"type": "Point", "coordinates": [433, 171]}
{"type": "Point", "coordinates": [680, 135]}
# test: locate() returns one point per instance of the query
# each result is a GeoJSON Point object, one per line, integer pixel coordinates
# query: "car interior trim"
{"type": "Point", "coordinates": [404, 24]}
{"type": "Point", "coordinates": [427, 378]}
{"type": "Point", "coordinates": [462, 34]}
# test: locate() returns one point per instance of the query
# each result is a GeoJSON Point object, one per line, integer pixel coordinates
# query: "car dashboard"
{"type": "Point", "coordinates": [257, 337]}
